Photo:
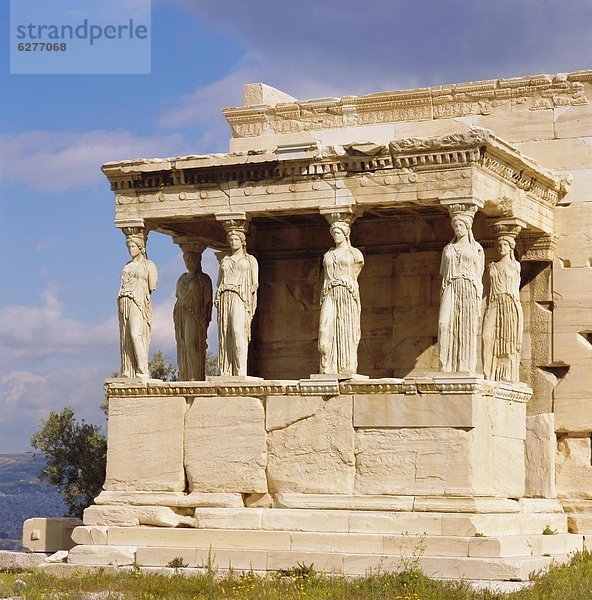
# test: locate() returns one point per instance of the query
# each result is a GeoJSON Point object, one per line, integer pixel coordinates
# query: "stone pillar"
{"type": "Point", "coordinates": [461, 268]}
{"type": "Point", "coordinates": [138, 280]}
{"type": "Point", "coordinates": [339, 322]}
{"type": "Point", "coordinates": [236, 297]}
{"type": "Point", "coordinates": [193, 312]}
{"type": "Point", "coordinates": [503, 321]}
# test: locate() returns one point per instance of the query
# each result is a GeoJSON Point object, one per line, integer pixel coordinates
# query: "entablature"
{"type": "Point", "coordinates": [423, 173]}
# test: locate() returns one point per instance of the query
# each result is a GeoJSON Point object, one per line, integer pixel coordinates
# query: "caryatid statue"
{"type": "Point", "coordinates": [462, 266]}
{"type": "Point", "coordinates": [503, 320]}
{"type": "Point", "coordinates": [339, 324]}
{"type": "Point", "coordinates": [236, 300]}
{"type": "Point", "coordinates": [138, 280]}
{"type": "Point", "coordinates": [192, 314]}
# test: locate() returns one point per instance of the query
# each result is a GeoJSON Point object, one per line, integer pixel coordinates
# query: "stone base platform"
{"type": "Point", "coordinates": [495, 546]}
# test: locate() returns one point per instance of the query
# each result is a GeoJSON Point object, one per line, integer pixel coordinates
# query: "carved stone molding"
{"type": "Point", "coordinates": [541, 92]}
{"type": "Point", "coordinates": [436, 384]}
{"type": "Point", "coordinates": [537, 248]}
{"type": "Point", "coordinates": [233, 221]}
{"type": "Point", "coordinates": [506, 227]}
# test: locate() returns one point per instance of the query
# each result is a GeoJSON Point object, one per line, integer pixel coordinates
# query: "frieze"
{"type": "Point", "coordinates": [541, 92]}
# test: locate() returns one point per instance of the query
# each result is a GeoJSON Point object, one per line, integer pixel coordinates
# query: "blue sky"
{"type": "Point", "coordinates": [60, 255]}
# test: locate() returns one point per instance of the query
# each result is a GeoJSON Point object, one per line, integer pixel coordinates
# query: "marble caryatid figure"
{"type": "Point", "coordinates": [461, 269]}
{"type": "Point", "coordinates": [138, 281]}
{"type": "Point", "coordinates": [236, 301]}
{"type": "Point", "coordinates": [339, 326]}
{"type": "Point", "coordinates": [192, 315]}
{"type": "Point", "coordinates": [503, 321]}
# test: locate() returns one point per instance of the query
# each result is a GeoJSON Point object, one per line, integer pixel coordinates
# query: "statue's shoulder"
{"type": "Point", "coordinates": [357, 254]}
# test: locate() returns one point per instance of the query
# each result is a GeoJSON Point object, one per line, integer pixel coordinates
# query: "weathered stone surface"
{"type": "Point", "coordinates": [282, 411]}
{"type": "Point", "coordinates": [561, 153]}
{"type": "Point", "coordinates": [49, 535]}
{"type": "Point", "coordinates": [305, 520]}
{"type": "Point", "coordinates": [573, 468]}
{"type": "Point", "coordinates": [159, 516]}
{"type": "Point", "coordinates": [449, 504]}
{"type": "Point", "coordinates": [509, 419]}
{"type": "Point", "coordinates": [400, 410]}
{"type": "Point", "coordinates": [90, 534]}
{"type": "Point", "coordinates": [172, 499]}
{"type": "Point", "coordinates": [573, 121]}
{"type": "Point", "coordinates": [258, 501]}
{"type": "Point", "coordinates": [414, 461]}
{"type": "Point", "coordinates": [315, 454]}
{"type": "Point", "coordinates": [540, 451]}
{"type": "Point", "coordinates": [19, 560]}
{"type": "Point", "coordinates": [344, 502]}
{"type": "Point", "coordinates": [508, 468]}
{"type": "Point", "coordinates": [200, 538]}
{"type": "Point", "coordinates": [225, 445]}
{"type": "Point", "coordinates": [540, 505]}
{"type": "Point", "coordinates": [228, 518]}
{"type": "Point", "coordinates": [102, 555]}
{"type": "Point", "coordinates": [145, 444]}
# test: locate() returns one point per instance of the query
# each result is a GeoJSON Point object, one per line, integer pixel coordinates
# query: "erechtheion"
{"type": "Point", "coordinates": [378, 255]}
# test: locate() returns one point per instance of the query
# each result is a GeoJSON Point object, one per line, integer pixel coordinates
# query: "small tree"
{"type": "Point", "coordinates": [76, 455]}
{"type": "Point", "coordinates": [162, 368]}
{"type": "Point", "coordinates": [211, 364]}
{"type": "Point", "coordinates": [76, 451]}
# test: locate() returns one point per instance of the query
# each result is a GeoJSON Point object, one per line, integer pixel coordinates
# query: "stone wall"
{"type": "Point", "coordinates": [548, 118]}
{"type": "Point", "coordinates": [431, 437]}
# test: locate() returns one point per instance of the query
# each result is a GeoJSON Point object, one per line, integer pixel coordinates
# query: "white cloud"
{"type": "Point", "coordinates": [55, 161]}
{"type": "Point", "coordinates": [34, 332]}
{"type": "Point", "coordinates": [27, 397]}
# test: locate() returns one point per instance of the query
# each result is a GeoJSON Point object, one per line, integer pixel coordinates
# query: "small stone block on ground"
{"type": "Point", "coordinates": [49, 535]}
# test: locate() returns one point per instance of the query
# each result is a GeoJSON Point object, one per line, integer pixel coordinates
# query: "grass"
{"type": "Point", "coordinates": [562, 582]}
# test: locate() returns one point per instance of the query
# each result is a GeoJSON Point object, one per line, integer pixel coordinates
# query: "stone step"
{"type": "Point", "coordinates": [417, 523]}
{"type": "Point", "coordinates": [356, 543]}
{"type": "Point", "coordinates": [469, 568]}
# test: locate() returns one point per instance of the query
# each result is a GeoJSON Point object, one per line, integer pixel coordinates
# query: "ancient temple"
{"type": "Point", "coordinates": [290, 462]}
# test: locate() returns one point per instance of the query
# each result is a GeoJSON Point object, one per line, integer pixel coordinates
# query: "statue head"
{"type": "Point", "coordinates": [340, 227]}
{"type": "Point", "coordinates": [192, 260]}
{"type": "Point", "coordinates": [236, 233]}
{"type": "Point", "coordinates": [138, 240]}
{"type": "Point", "coordinates": [462, 224]}
{"type": "Point", "coordinates": [506, 245]}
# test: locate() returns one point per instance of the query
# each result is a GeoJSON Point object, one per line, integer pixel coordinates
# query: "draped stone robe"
{"type": "Point", "coordinates": [236, 300]}
{"type": "Point", "coordinates": [462, 269]}
{"type": "Point", "coordinates": [339, 327]}
{"type": "Point", "coordinates": [503, 323]}
{"type": "Point", "coordinates": [191, 315]}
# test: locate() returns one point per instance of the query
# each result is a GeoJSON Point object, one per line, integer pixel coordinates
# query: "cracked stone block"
{"type": "Point", "coordinates": [311, 445]}
{"type": "Point", "coordinates": [540, 450]}
{"type": "Point", "coordinates": [225, 445]}
{"type": "Point", "coordinates": [145, 444]}
{"type": "Point", "coordinates": [414, 461]}
{"type": "Point", "coordinates": [574, 471]}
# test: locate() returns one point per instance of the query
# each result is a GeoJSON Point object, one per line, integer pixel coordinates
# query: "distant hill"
{"type": "Point", "coordinates": [22, 496]}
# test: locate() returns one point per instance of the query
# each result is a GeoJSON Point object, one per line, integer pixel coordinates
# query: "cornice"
{"type": "Point", "coordinates": [439, 383]}
{"type": "Point", "coordinates": [539, 92]}
{"type": "Point", "coordinates": [477, 146]}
